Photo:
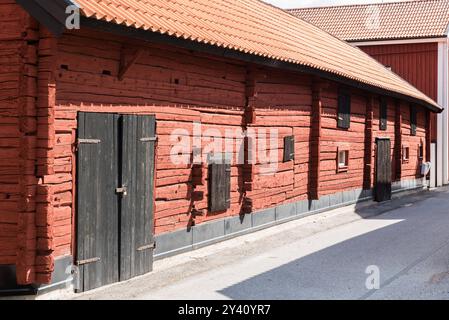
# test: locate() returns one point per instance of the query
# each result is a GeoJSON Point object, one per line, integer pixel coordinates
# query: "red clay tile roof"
{"type": "Point", "coordinates": [252, 27]}
{"type": "Point", "coordinates": [399, 20]}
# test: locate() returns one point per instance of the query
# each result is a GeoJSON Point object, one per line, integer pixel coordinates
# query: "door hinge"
{"type": "Point", "coordinates": [149, 139]}
{"type": "Point", "coordinates": [89, 141]}
{"type": "Point", "coordinates": [87, 261]}
{"type": "Point", "coordinates": [147, 247]}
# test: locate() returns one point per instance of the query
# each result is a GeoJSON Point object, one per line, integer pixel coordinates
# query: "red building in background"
{"type": "Point", "coordinates": [411, 38]}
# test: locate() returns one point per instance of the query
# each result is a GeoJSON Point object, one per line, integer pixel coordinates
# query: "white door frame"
{"type": "Point", "coordinates": [443, 120]}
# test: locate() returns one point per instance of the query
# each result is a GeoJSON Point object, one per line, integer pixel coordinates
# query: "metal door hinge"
{"type": "Point", "coordinates": [89, 141]}
{"type": "Point", "coordinates": [147, 247]}
{"type": "Point", "coordinates": [87, 261]}
{"type": "Point", "coordinates": [150, 139]}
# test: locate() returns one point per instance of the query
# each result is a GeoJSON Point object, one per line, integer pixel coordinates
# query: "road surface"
{"type": "Point", "coordinates": [326, 256]}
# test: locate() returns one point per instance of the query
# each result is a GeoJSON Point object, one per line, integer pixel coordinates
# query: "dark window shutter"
{"type": "Point", "coordinates": [413, 120]}
{"type": "Point", "coordinates": [344, 110]}
{"type": "Point", "coordinates": [227, 185]}
{"type": "Point", "coordinates": [383, 114]}
{"type": "Point", "coordinates": [289, 148]}
{"type": "Point", "coordinates": [219, 187]}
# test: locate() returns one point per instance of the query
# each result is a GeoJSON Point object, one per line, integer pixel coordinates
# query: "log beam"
{"type": "Point", "coordinates": [368, 168]}
{"type": "Point", "coordinates": [315, 141]}
{"type": "Point", "coordinates": [128, 58]}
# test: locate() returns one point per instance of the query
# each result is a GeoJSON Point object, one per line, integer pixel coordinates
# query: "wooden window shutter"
{"type": "Point", "coordinates": [219, 187]}
{"type": "Point", "coordinates": [413, 120]}
{"type": "Point", "coordinates": [383, 114]}
{"type": "Point", "coordinates": [289, 148]}
{"type": "Point", "coordinates": [344, 110]}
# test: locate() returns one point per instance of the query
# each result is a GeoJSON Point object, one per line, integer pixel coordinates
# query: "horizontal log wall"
{"type": "Point", "coordinates": [10, 68]}
{"type": "Point", "coordinates": [411, 169]}
{"type": "Point", "coordinates": [180, 188]}
{"type": "Point", "coordinates": [211, 92]}
{"type": "Point", "coordinates": [181, 88]}
{"type": "Point", "coordinates": [333, 139]}
{"type": "Point", "coordinates": [18, 90]}
{"type": "Point", "coordinates": [283, 103]}
{"type": "Point", "coordinates": [81, 73]}
{"type": "Point", "coordinates": [390, 133]}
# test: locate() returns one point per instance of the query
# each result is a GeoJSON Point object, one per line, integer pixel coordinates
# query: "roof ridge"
{"type": "Point", "coordinates": [362, 5]}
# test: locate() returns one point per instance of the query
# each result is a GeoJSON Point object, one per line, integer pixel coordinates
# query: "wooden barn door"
{"type": "Point", "coordinates": [136, 232]}
{"type": "Point", "coordinates": [383, 169]}
{"type": "Point", "coordinates": [114, 197]}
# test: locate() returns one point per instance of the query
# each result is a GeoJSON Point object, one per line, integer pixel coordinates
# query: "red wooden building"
{"type": "Point", "coordinates": [409, 37]}
{"type": "Point", "coordinates": [93, 121]}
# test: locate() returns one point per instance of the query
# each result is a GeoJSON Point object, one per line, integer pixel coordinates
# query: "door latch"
{"type": "Point", "coordinates": [121, 191]}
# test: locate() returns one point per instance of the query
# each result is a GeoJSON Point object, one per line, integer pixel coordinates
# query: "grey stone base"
{"type": "Point", "coordinates": [62, 277]}
{"type": "Point", "coordinates": [410, 184]}
{"type": "Point", "coordinates": [172, 243]}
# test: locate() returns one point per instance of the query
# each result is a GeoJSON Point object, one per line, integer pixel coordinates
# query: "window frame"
{"type": "Point", "coordinates": [344, 101]}
{"type": "Point", "coordinates": [289, 148]}
{"type": "Point", "coordinates": [383, 114]}
{"type": "Point", "coordinates": [421, 151]}
{"type": "Point", "coordinates": [413, 120]}
{"type": "Point", "coordinates": [345, 167]}
{"type": "Point", "coordinates": [405, 154]}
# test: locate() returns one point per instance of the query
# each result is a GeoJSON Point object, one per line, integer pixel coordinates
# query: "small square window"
{"type": "Point", "coordinates": [405, 154]}
{"type": "Point", "coordinates": [343, 160]}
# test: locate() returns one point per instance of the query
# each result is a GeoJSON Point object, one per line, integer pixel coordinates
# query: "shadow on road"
{"type": "Point", "coordinates": [418, 228]}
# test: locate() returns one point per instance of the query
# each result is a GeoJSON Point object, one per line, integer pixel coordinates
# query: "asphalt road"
{"type": "Point", "coordinates": [320, 257]}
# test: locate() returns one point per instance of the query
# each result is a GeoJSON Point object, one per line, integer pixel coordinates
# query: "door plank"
{"type": "Point", "coordinates": [383, 170]}
{"type": "Point", "coordinates": [97, 204]}
{"type": "Point", "coordinates": [137, 205]}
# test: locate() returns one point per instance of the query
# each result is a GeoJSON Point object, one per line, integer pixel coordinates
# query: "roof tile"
{"type": "Point", "coordinates": [254, 27]}
{"type": "Point", "coordinates": [385, 21]}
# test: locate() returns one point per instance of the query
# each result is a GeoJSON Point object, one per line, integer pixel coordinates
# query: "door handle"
{"type": "Point", "coordinates": [121, 191]}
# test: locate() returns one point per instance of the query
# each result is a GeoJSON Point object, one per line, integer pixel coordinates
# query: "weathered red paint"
{"type": "Point", "coordinates": [49, 80]}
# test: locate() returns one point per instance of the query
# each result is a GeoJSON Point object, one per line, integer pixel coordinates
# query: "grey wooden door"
{"type": "Point", "coordinates": [115, 169]}
{"type": "Point", "coordinates": [383, 169]}
{"type": "Point", "coordinates": [137, 242]}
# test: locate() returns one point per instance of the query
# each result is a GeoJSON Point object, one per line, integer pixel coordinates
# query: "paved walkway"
{"type": "Point", "coordinates": [319, 257]}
